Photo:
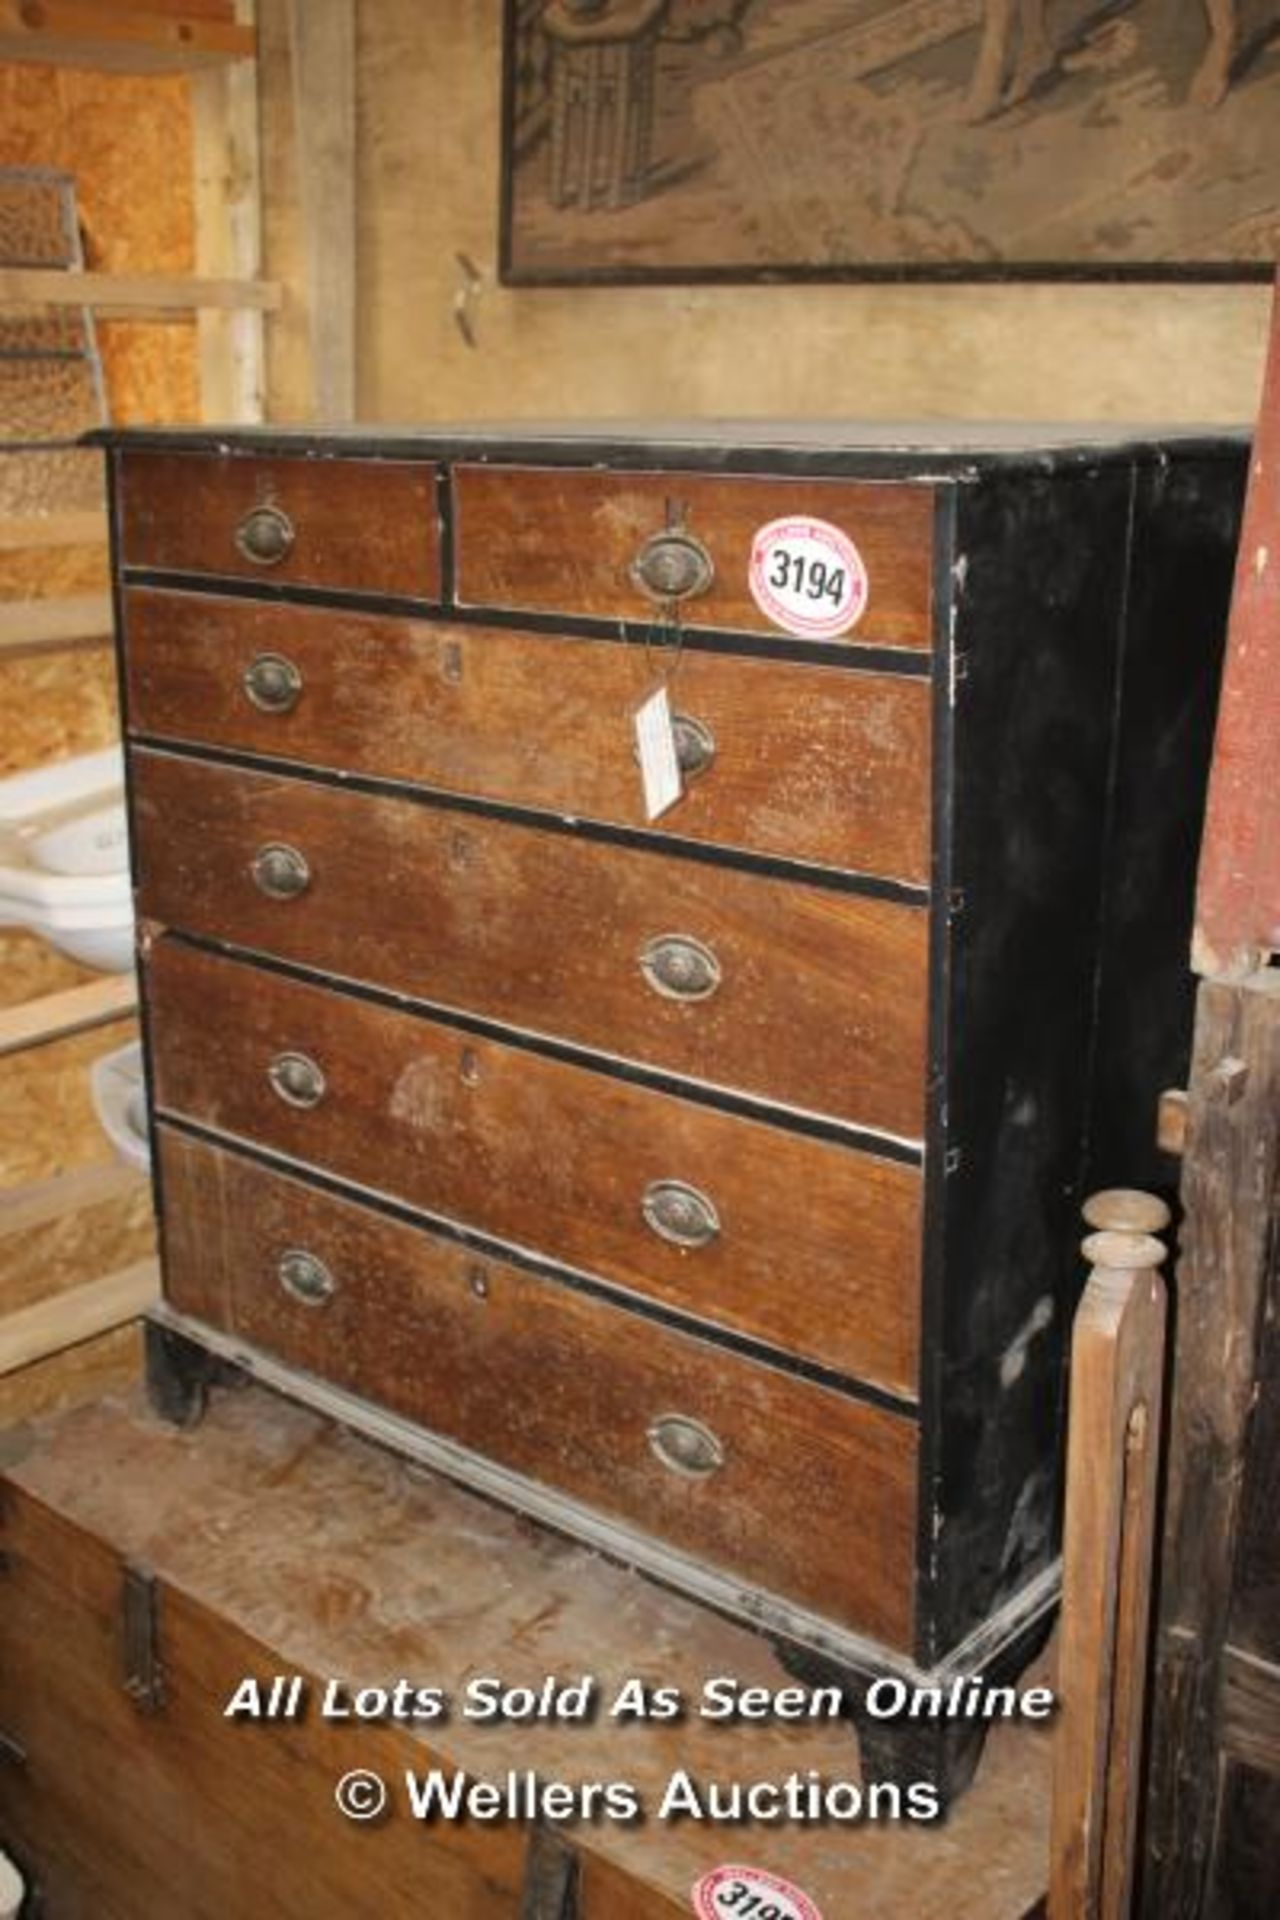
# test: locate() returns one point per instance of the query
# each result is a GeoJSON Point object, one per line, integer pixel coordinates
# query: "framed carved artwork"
{"type": "Point", "coordinates": [679, 140]}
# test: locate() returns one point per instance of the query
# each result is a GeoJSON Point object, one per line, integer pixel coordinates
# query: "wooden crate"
{"type": "Point", "coordinates": [272, 1543]}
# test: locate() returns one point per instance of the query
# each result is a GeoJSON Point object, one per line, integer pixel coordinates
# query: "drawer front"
{"type": "Point", "coordinates": [806, 763]}
{"type": "Point", "coordinates": [362, 526]}
{"type": "Point", "coordinates": [563, 540]}
{"type": "Point", "coordinates": [794, 993]}
{"type": "Point", "coordinates": [797, 1488]}
{"type": "Point", "coordinates": [808, 1245]}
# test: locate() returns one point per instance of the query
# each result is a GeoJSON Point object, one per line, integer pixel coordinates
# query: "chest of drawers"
{"type": "Point", "coordinates": [704, 1184]}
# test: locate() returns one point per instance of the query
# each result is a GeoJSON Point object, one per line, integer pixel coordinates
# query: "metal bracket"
{"type": "Point", "coordinates": [140, 1616]}
{"type": "Point", "coordinates": [550, 1887]}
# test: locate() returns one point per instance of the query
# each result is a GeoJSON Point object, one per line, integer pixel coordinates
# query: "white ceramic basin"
{"type": "Point", "coordinates": [64, 858]}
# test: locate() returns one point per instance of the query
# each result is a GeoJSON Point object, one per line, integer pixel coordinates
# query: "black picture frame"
{"type": "Point", "coordinates": [541, 245]}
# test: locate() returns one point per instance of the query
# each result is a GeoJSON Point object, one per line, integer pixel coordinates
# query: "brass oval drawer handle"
{"type": "Point", "coordinates": [673, 566]}
{"type": "Point", "coordinates": [680, 968]}
{"type": "Point", "coordinates": [685, 1446]}
{"type": "Point", "coordinates": [305, 1278]}
{"type": "Point", "coordinates": [281, 872]}
{"type": "Point", "coordinates": [297, 1079]}
{"type": "Point", "coordinates": [265, 536]}
{"type": "Point", "coordinates": [274, 685]}
{"type": "Point", "coordinates": [695, 744]}
{"type": "Point", "coordinates": [680, 1214]}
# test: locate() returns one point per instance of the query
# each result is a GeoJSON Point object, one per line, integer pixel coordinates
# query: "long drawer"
{"type": "Point", "coordinates": [366, 526]}
{"type": "Point", "coordinates": [558, 540]}
{"type": "Point", "coordinates": [673, 962]}
{"type": "Point", "coordinates": [793, 760]}
{"type": "Point", "coordinates": [787, 1483]}
{"type": "Point", "coordinates": [806, 1244]}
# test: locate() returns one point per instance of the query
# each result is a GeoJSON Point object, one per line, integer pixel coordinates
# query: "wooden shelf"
{"type": "Point", "coordinates": [137, 292]}
{"type": "Point", "coordinates": [125, 39]}
{"type": "Point", "coordinates": [81, 1313]}
{"type": "Point", "coordinates": [55, 1015]}
{"type": "Point", "coordinates": [26, 626]}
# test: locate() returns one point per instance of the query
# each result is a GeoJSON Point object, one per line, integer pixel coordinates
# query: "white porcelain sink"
{"type": "Point", "coordinates": [64, 858]}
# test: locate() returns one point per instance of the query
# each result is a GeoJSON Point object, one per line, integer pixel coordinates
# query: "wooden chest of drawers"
{"type": "Point", "coordinates": [706, 1185]}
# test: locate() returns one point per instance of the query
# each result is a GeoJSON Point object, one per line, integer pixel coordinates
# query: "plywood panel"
{"type": "Point", "coordinates": [109, 1364]}
{"type": "Point", "coordinates": [135, 204]}
{"type": "Point", "coordinates": [30, 967]}
{"type": "Point", "coordinates": [49, 1123]}
{"type": "Point", "coordinates": [78, 1247]}
{"type": "Point", "coordinates": [54, 704]}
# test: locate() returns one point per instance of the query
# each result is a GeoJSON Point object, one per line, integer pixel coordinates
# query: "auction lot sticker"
{"type": "Point", "coordinates": [747, 1893]}
{"type": "Point", "coordinates": [807, 577]}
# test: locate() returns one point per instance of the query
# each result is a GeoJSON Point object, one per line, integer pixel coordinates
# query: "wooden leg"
{"type": "Point", "coordinates": [551, 1875]}
{"type": "Point", "coordinates": [179, 1375]}
{"type": "Point", "coordinates": [943, 1751]}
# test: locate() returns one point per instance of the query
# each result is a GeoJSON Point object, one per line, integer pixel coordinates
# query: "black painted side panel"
{"type": "Point", "coordinates": [1185, 534]}
{"type": "Point", "coordinates": [1245, 1882]}
{"type": "Point", "coordinates": [1089, 631]}
{"type": "Point", "coordinates": [1039, 621]}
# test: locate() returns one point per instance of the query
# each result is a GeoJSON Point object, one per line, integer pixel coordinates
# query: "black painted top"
{"type": "Point", "coordinates": [892, 449]}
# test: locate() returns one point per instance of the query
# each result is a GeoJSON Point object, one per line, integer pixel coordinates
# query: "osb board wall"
{"type": "Point", "coordinates": [51, 705]}
{"type": "Point", "coordinates": [428, 85]}
{"type": "Point", "coordinates": [49, 1123]}
{"type": "Point", "coordinates": [59, 1255]}
{"type": "Point", "coordinates": [125, 139]}
{"type": "Point", "coordinates": [86, 1371]}
{"type": "Point", "coordinates": [49, 1130]}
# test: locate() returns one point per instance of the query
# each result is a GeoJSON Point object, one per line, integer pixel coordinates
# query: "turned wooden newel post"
{"type": "Point", "coordinates": [1117, 1354]}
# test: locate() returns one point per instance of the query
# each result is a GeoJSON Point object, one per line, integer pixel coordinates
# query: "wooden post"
{"type": "Point", "coordinates": [1117, 1357]}
{"type": "Point", "coordinates": [1230, 1182]}
{"type": "Point", "coordinates": [1238, 893]}
{"type": "Point", "coordinates": [224, 106]}
{"type": "Point", "coordinates": [1230, 1179]}
{"type": "Point", "coordinates": [323, 51]}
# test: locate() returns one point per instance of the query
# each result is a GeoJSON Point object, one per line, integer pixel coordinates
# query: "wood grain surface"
{"type": "Point", "coordinates": [818, 1250]}
{"type": "Point", "coordinates": [368, 526]}
{"type": "Point", "coordinates": [816, 1496]}
{"type": "Point", "coordinates": [1227, 1282]}
{"type": "Point", "coordinates": [822, 999]}
{"type": "Point", "coordinates": [1114, 1430]}
{"type": "Point", "coordinates": [184, 1811]}
{"type": "Point", "coordinates": [809, 764]}
{"type": "Point", "coordinates": [308, 1550]}
{"type": "Point", "coordinates": [562, 540]}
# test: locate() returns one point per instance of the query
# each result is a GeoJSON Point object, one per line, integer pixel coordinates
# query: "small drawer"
{"type": "Point", "coordinates": [783, 1482]}
{"type": "Point", "coordinates": [809, 996]}
{"type": "Point", "coordinates": [583, 542]}
{"type": "Point", "coordinates": [361, 526]}
{"type": "Point", "coordinates": [783, 758]}
{"type": "Point", "coordinates": [811, 1246]}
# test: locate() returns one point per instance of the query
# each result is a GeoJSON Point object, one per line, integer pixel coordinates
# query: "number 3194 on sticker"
{"type": "Point", "coordinates": [748, 1893]}
{"type": "Point", "coordinates": [808, 577]}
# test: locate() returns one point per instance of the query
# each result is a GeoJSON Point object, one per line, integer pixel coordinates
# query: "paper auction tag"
{"type": "Point", "coordinates": [656, 746]}
{"type": "Point", "coordinates": [748, 1893]}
